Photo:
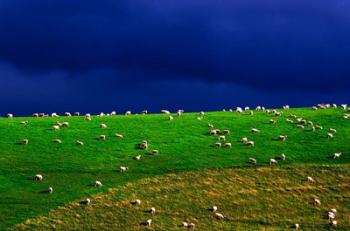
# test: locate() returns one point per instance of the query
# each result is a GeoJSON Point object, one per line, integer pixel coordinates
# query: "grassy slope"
{"type": "Point", "coordinates": [250, 199]}
{"type": "Point", "coordinates": [183, 146]}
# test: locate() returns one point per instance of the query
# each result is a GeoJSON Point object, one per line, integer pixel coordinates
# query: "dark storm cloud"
{"type": "Point", "coordinates": [127, 52]}
{"type": "Point", "coordinates": [257, 43]}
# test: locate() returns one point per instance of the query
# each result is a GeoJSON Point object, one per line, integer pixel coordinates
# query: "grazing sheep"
{"type": "Point", "coordinates": [155, 152]}
{"type": "Point", "coordinates": [239, 110]}
{"type": "Point", "coordinates": [282, 137]}
{"type": "Point", "coordinates": [344, 106]}
{"type": "Point", "coordinates": [246, 108]}
{"type": "Point", "coordinates": [330, 136]}
{"type": "Point", "coordinates": [278, 113]}
{"type": "Point", "coordinates": [255, 130]}
{"type": "Point", "coordinates": [296, 226]}
{"type": "Point", "coordinates": [201, 114]}
{"type": "Point", "coordinates": [35, 115]}
{"type": "Point", "coordinates": [286, 107]}
{"type": "Point", "coordinates": [149, 222]}
{"type": "Point", "coordinates": [101, 137]}
{"type": "Point", "coordinates": [225, 132]}
{"type": "Point", "coordinates": [38, 177]}
{"type": "Point", "coordinates": [136, 202]}
{"type": "Point", "coordinates": [333, 223]}
{"type": "Point", "coordinates": [334, 210]}
{"type": "Point", "coordinates": [67, 114]}
{"type": "Point", "coordinates": [137, 157]}
{"type": "Point", "coordinates": [210, 125]}
{"type": "Point", "coordinates": [319, 127]}
{"type": "Point", "coordinates": [258, 108]}
{"type": "Point", "coordinates": [336, 155]}
{"type": "Point", "coordinates": [272, 121]}
{"type": "Point", "coordinates": [310, 123]}
{"type": "Point", "coordinates": [221, 138]}
{"type": "Point", "coordinates": [9, 115]}
{"type": "Point", "coordinates": [251, 113]}
{"type": "Point", "coordinates": [217, 144]}
{"type": "Point", "coordinates": [88, 117]}
{"type": "Point", "coordinates": [213, 208]}
{"type": "Point", "coordinates": [244, 140]}
{"type": "Point", "coordinates": [300, 126]}
{"type": "Point", "coordinates": [228, 145]}
{"type": "Point", "coordinates": [314, 108]}
{"type": "Point", "coordinates": [283, 156]}
{"type": "Point", "coordinates": [113, 113]}
{"type": "Point", "coordinates": [313, 128]}
{"type": "Point", "coordinates": [87, 201]}
{"type": "Point", "coordinates": [332, 130]}
{"type": "Point", "coordinates": [252, 160]}
{"type": "Point", "coordinates": [219, 216]}
{"type": "Point", "coordinates": [56, 127]}
{"type": "Point", "coordinates": [24, 122]}
{"type": "Point", "coordinates": [143, 145]}
{"type": "Point", "coordinates": [309, 179]}
{"type": "Point", "coordinates": [250, 143]}
{"type": "Point", "coordinates": [330, 216]}
{"type": "Point", "coordinates": [165, 112]}
{"type": "Point", "coordinates": [128, 113]}
{"type": "Point", "coordinates": [179, 112]}
{"type": "Point", "coordinates": [289, 121]}
{"type": "Point", "coordinates": [57, 141]}
{"type": "Point", "coordinates": [213, 132]}
{"type": "Point", "coordinates": [54, 114]}
{"type": "Point", "coordinates": [144, 112]}
{"type": "Point", "coordinates": [152, 210]}
{"type": "Point", "coordinates": [98, 184]}
{"type": "Point", "coordinates": [25, 141]}
{"type": "Point", "coordinates": [76, 113]}
{"type": "Point", "coordinates": [65, 124]}
{"type": "Point", "coordinates": [123, 168]}
{"type": "Point", "coordinates": [273, 162]}
{"type": "Point", "coordinates": [170, 118]}
{"type": "Point", "coordinates": [79, 142]}
{"type": "Point", "coordinates": [191, 226]}
{"type": "Point", "coordinates": [103, 126]}
{"type": "Point", "coordinates": [317, 201]}
{"type": "Point", "coordinates": [50, 190]}
{"type": "Point", "coordinates": [118, 135]}
{"type": "Point", "coordinates": [184, 224]}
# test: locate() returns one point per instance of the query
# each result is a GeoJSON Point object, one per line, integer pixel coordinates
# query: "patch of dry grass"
{"type": "Point", "coordinates": [249, 198]}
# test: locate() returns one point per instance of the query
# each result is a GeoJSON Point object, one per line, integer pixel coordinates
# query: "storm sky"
{"type": "Point", "coordinates": [94, 56]}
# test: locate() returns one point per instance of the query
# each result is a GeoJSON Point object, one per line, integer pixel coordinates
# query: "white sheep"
{"type": "Point", "coordinates": [272, 121]}
{"type": "Point", "coordinates": [103, 126]}
{"type": "Point", "coordinates": [318, 126]}
{"type": "Point", "coordinates": [244, 140]}
{"type": "Point", "coordinates": [118, 135]}
{"type": "Point", "coordinates": [38, 177]}
{"type": "Point", "coordinates": [191, 226]}
{"type": "Point", "coordinates": [283, 156]}
{"type": "Point", "coordinates": [155, 152]}
{"type": "Point", "coordinates": [65, 124]}
{"type": "Point", "coordinates": [336, 155]}
{"type": "Point", "coordinates": [56, 127]}
{"type": "Point", "coordinates": [35, 115]}
{"type": "Point", "coordinates": [331, 216]}
{"type": "Point", "coordinates": [286, 107]}
{"type": "Point", "coordinates": [219, 216]}
{"type": "Point", "coordinates": [98, 184]}
{"type": "Point", "coordinates": [184, 224]}
{"type": "Point", "coordinates": [77, 113]}
{"type": "Point", "coordinates": [81, 143]}
{"type": "Point", "coordinates": [9, 115]}
{"type": "Point", "coordinates": [250, 143]}
{"type": "Point", "coordinates": [330, 136]}
{"type": "Point", "coordinates": [239, 110]}
{"type": "Point", "coordinates": [221, 138]}
{"type": "Point", "coordinates": [273, 162]}
{"type": "Point", "coordinates": [24, 122]}
{"type": "Point", "coordinates": [149, 222]}
{"type": "Point", "coordinates": [213, 132]}
{"type": "Point", "coordinates": [25, 141]}
{"type": "Point", "coordinates": [255, 130]}
{"type": "Point", "coordinates": [87, 201]}
{"type": "Point", "coordinates": [309, 179]}
{"type": "Point", "coordinates": [57, 141]}
{"type": "Point", "coordinates": [246, 108]}
{"type": "Point", "coordinates": [344, 106]}
{"type": "Point", "coordinates": [251, 113]}
{"type": "Point", "coordinates": [228, 145]}
{"type": "Point", "coordinates": [102, 137]}
{"type": "Point", "coordinates": [170, 118]}
{"type": "Point", "coordinates": [138, 157]}
{"type": "Point", "coordinates": [165, 112]}
{"type": "Point", "coordinates": [332, 130]}
{"type": "Point", "coordinates": [210, 125]}
{"type": "Point", "coordinates": [123, 168]}
{"type": "Point", "coordinates": [300, 126]}
{"type": "Point", "coordinates": [333, 223]}
{"type": "Point", "coordinates": [152, 210]}
{"type": "Point", "coordinates": [214, 208]}
{"type": "Point", "coordinates": [317, 201]}
{"type": "Point", "coordinates": [296, 226]}
{"type": "Point", "coordinates": [252, 160]}
{"type": "Point", "coordinates": [128, 113]}
{"type": "Point", "coordinates": [289, 121]}
{"type": "Point", "coordinates": [113, 113]}
{"type": "Point", "coordinates": [217, 144]}
{"type": "Point", "coordinates": [67, 114]}
{"type": "Point", "coordinates": [137, 202]}
{"type": "Point", "coordinates": [282, 137]}
{"type": "Point", "coordinates": [143, 145]}
{"type": "Point", "coordinates": [226, 132]}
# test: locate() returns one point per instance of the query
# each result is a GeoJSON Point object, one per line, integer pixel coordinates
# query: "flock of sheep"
{"type": "Point", "coordinates": [299, 122]}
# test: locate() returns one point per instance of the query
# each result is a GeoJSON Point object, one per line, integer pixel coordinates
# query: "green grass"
{"type": "Point", "coordinates": [183, 143]}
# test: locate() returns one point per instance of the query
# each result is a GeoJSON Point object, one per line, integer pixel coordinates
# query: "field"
{"type": "Point", "coordinates": [183, 180]}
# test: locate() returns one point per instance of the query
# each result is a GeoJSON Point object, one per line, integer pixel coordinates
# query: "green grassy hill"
{"type": "Point", "coordinates": [183, 143]}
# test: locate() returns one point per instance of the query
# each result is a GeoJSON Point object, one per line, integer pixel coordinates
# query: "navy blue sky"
{"type": "Point", "coordinates": [94, 56]}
